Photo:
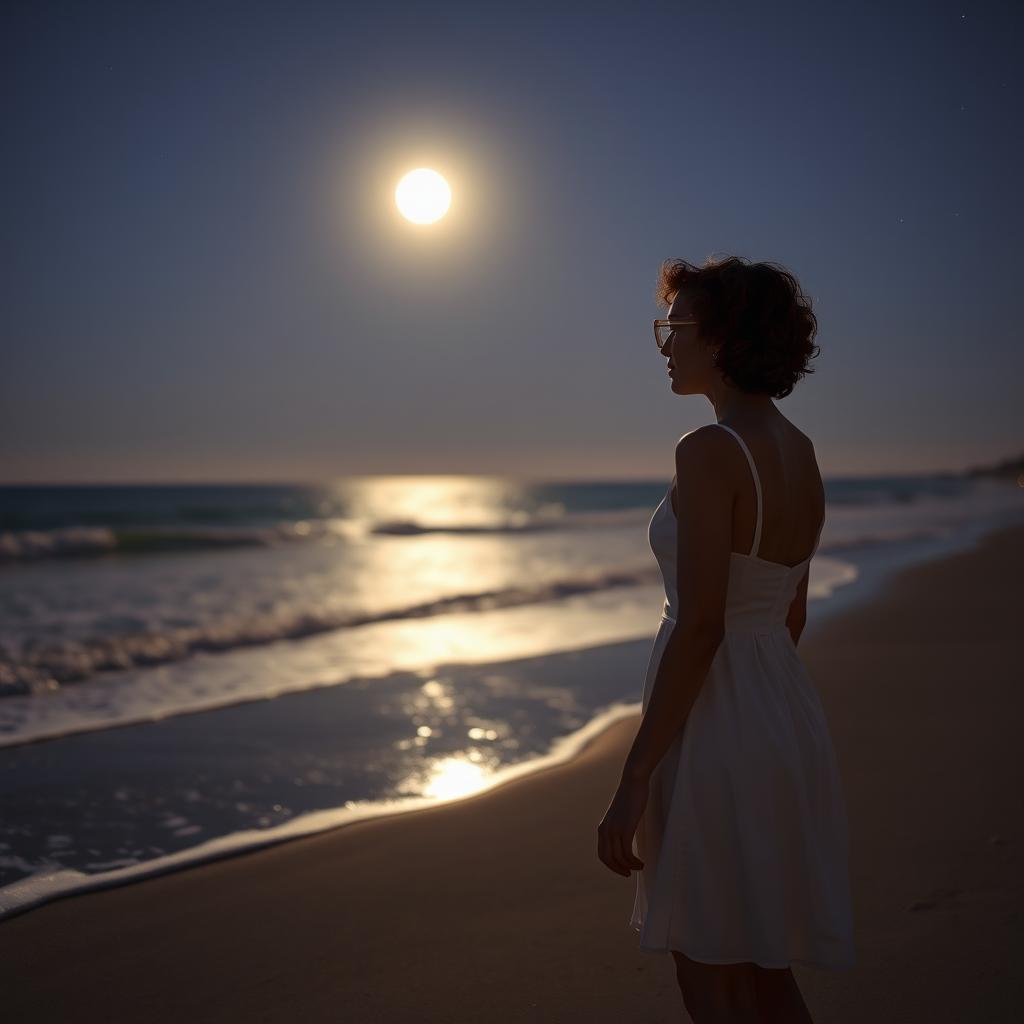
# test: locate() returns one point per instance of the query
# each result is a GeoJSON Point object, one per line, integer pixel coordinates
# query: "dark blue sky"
{"type": "Point", "coordinates": [205, 278]}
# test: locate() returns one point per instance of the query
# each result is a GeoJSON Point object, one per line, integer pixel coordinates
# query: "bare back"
{"type": "Point", "coordinates": [792, 492]}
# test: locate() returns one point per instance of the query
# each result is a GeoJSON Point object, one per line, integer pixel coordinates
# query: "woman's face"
{"type": "Point", "coordinates": [690, 363]}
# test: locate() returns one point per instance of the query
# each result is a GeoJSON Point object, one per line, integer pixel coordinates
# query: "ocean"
{"type": "Point", "coordinates": [187, 672]}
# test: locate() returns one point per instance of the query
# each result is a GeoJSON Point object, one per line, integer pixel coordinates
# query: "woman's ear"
{"type": "Point", "coordinates": [711, 347]}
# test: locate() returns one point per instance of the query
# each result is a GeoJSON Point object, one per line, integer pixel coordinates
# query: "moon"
{"type": "Point", "coordinates": [423, 196]}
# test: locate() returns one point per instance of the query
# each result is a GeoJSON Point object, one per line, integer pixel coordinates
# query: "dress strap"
{"type": "Point", "coordinates": [757, 489]}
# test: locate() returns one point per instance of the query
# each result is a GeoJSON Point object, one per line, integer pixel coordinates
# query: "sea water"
{"type": "Point", "coordinates": [189, 671]}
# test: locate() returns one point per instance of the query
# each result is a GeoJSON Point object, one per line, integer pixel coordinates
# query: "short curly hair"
{"type": "Point", "coordinates": [756, 312]}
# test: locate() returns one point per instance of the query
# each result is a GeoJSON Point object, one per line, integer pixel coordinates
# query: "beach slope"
{"type": "Point", "coordinates": [496, 908]}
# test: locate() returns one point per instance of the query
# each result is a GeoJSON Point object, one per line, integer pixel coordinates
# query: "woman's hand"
{"type": "Point", "coordinates": [616, 831]}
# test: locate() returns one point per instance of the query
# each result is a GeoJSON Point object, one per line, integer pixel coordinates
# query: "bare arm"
{"type": "Point", "coordinates": [681, 674]}
{"type": "Point", "coordinates": [705, 498]}
{"type": "Point", "coordinates": [703, 542]}
{"type": "Point", "coordinates": [703, 532]}
{"type": "Point", "coordinates": [796, 618]}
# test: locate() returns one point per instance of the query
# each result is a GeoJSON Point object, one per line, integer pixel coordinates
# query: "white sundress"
{"type": "Point", "coordinates": [745, 838]}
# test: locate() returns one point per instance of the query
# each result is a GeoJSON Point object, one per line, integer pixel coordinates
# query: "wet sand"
{"type": "Point", "coordinates": [496, 908]}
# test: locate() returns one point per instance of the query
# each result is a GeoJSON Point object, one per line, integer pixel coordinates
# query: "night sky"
{"type": "Point", "coordinates": [205, 277]}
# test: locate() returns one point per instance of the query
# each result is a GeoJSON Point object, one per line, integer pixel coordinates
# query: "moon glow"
{"type": "Point", "coordinates": [423, 196]}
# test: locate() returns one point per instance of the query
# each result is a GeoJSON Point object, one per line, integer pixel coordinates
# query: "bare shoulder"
{"type": "Point", "coordinates": [702, 442]}
{"type": "Point", "coordinates": [814, 478]}
{"type": "Point", "coordinates": [807, 442]}
{"type": "Point", "coordinates": [808, 446]}
{"type": "Point", "coordinates": [700, 453]}
{"type": "Point", "coordinates": [803, 443]}
{"type": "Point", "coordinates": [796, 433]}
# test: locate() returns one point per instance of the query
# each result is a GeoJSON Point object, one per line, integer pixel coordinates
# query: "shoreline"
{"type": "Point", "coordinates": [621, 658]}
{"type": "Point", "coordinates": [532, 915]}
{"type": "Point", "coordinates": [841, 578]}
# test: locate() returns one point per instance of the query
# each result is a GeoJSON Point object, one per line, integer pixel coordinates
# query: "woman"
{"type": "Point", "coordinates": [731, 788]}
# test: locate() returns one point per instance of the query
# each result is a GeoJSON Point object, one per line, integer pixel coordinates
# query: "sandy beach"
{"type": "Point", "coordinates": [495, 908]}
